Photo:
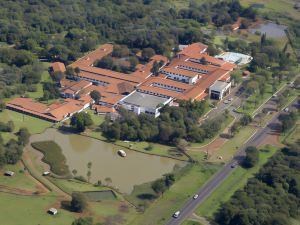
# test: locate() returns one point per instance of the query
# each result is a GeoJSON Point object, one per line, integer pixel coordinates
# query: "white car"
{"type": "Point", "coordinates": [176, 214]}
{"type": "Point", "coordinates": [226, 102]}
{"type": "Point", "coordinates": [286, 110]}
{"type": "Point", "coordinates": [230, 99]}
{"type": "Point", "coordinates": [195, 196]}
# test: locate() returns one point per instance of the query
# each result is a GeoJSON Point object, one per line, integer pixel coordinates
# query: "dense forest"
{"type": "Point", "coordinates": [63, 29]}
{"type": "Point", "coordinates": [271, 197]}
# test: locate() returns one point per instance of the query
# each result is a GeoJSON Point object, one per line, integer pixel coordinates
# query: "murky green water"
{"type": "Point", "coordinates": [136, 168]}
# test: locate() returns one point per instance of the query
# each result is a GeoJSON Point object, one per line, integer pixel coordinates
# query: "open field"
{"type": "Point", "coordinates": [234, 182]}
{"type": "Point", "coordinates": [293, 135]}
{"type": "Point", "coordinates": [20, 180]}
{"type": "Point", "coordinates": [233, 144]}
{"type": "Point", "coordinates": [53, 156]}
{"type": "Point", "coordinates": [34, 125]}
{"type": "Point", "coordinates": [190, 222]}
{"type": "Point", "coordinates": [162, 208]}
{"type": "Point", "coordinates": [275, 6]}
{"type": "Point", "coordinates": [17, 209]}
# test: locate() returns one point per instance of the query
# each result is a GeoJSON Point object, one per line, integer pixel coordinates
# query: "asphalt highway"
{"type": "Point", "coordinates": [215, 181]}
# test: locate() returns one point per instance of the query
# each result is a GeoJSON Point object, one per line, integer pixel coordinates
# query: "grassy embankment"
{"type": "Point", "coordinates": [234, 182]}
{"type": "Point", "coordinates": [53, 156]}
{"type": "Point", "coordinates": [162, 208]}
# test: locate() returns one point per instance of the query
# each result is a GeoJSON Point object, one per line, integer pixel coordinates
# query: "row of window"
{"type": "Point", "coordinates": [192, 69]}
{"type": "Point", "coordinates": [168, 87]}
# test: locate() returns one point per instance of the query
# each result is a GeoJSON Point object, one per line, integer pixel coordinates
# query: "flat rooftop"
{"type": "Point", "coordinates": [144, 100]}
{"type": "Point", "coordinates": [236, 58]}
{"type": "Point", "coordinates": [219, 85]}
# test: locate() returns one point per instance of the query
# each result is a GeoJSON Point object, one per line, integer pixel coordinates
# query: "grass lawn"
{"type": "Point", "coordinates": [190, 222]}
{"type": "Point", "coordinates": [293, 135]}
{"type": "Point", "coordinates": [71, 185]}
{"type": "Point", "coordinates": [255, 101]}
{"type": "Point", "coordinates": [279, 6]}
{"type": "Point", "coordinates": [21, 179]}
{"type": "Point", "coordinates": [163, 208]}
{"type": "Point", "coordinates": [29, 210]}
{"type": "Point", "coordinates": [53, 156]}
{"type": "Point", "coordinates": [34, 125]}
{"type": "Point", "coordinates": [232, 145]}
{"type": "Point", "coordinates": [235, 181]}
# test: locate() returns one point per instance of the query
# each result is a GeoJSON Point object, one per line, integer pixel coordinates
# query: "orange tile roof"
{"type": "Point", "coordinates": [58, 67]}
{"type": "Point", "coordinates": [104, 109]}
{"type": "Point", "coordinates": [54, 112]}
{"type": "Point", "coordinates": [193, 50]}
{"type": "Point", "coordinates": [90, 58]}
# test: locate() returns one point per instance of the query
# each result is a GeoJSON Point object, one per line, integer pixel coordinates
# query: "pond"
{"type": "Point", "coordinates": [272, 30]}
{"type": "Point", "coordinates": [136, 168]}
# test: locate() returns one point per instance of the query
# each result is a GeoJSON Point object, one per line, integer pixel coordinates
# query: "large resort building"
{"type": "Point", "coordinates": [191, 75]}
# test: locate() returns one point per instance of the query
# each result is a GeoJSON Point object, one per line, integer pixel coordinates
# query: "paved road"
{"type": "Point", "coordinates": [214, 182]}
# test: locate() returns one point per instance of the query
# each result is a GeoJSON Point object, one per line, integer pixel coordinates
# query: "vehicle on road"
{"type": "Point", "coordinates": [176, 214]}
{"type": "Point", "coordinates": [286, 109]}
{"type": "Point", "coordinates": [226, 102]}
{"type": "Point", "coordinates": [195, 196]}
{"type": "Point", "coordinates": [46, 173]}
{"type": "Point", "coordinates": [274, 96]}
{"type": "Point", "coordinates": [230, 99]}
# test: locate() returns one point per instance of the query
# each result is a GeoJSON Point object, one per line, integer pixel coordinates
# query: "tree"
{"type": "Point", "coordinates": [81, 120]}
{"type": "Point", "coordinates": [2, 106]}
{"type": "Point", "coordinates": [108, 181]}
{"type": "Point", "coordinates": [74, 172]}
{"type": "Point", "coordinates": [78, 202]}
{"type": "Point", "coordinates": [245, 120]}
{"type": "Point", "coordinates": [57, 76]}
{"type": "Point", "coordinates": [23, 136]}
{"type": "Point", "coordinates": [83, 221]}
{"type": "Point", "coordinates": [155, 68]}
{"type": "Point", "coordinates": [251, 158]}
{"type": "Point", "coordinates": [159, 186]}
{"type": "Point", "coordinates": [89, 174]}
{"type": "Point", "coordinates": [77, 71]}
{"type": "Point", "coordinates": [147, 53]}
{"type": "Point", "coordinates": [96, 96]}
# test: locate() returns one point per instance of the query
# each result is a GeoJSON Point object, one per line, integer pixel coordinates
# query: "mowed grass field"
{"type": "Point", "coordinates": [32, 210]}
{"type": "Point", "coordinates": [21, 178]}
{"type": "Point", "coordinates": [232, 145]}
{"type": "Point", "coordinates": [234, 182]}
{"type": "Point", "coordinates": [285, 7]}
{"type": "Point", "coordinates": [34, 125]}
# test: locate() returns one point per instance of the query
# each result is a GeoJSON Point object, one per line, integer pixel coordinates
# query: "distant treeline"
{"type": "Point", "coordinates": [63, 30]}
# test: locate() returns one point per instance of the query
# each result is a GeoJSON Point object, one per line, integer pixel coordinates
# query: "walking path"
{"type": "Point", "coordinates": [37, 175]}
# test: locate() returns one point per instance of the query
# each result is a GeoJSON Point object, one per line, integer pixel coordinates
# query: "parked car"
{"type": "Point", "coordinates": [286, 109]}
{"type": "Point", "coordinates": [195, 196]}
{"type": "Point", "coordinates": [176, 214]}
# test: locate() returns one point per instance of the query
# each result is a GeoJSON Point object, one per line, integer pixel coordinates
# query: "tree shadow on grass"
{"type": "Point", "coordinates": [147, 196]}
{"type": "Point", "coordinates": [174, 152]}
